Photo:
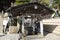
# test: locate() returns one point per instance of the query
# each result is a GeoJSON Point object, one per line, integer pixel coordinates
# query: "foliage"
{"type": "Point", "coordinates": [46, 1]}
{"type": "Point", "coordinates": [56, 3]}
{"type": "Point", "coordinates": [18, 2]}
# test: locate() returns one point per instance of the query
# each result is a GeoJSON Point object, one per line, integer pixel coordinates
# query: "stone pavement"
{"type": "Point", "coordinates": [49, 36]}
{"type": "Point", "coordinates": [52, 37]}
{"type": "Point", "coordinates": [9, 37]}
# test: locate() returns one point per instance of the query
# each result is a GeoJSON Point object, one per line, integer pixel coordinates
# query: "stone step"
{"type": "Point", "coordinates": [56, 32]}
{"type": "Point", "coordinates": [58, 27]}
{"type": "Point", "coordinates": [51, 21]}
{"type": "Point", "coordinates": [34, 36]}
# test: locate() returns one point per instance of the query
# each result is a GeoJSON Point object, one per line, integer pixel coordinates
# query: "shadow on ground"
{"type": "Point", "coordinates": [49, 29]}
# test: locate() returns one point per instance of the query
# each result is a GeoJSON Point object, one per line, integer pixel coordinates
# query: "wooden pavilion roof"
{"type": "Point", "coordinates": [29, 9]}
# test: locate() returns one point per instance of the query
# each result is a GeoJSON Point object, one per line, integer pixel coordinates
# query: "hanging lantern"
{"type": "Point", "coordinates": [35, 7]}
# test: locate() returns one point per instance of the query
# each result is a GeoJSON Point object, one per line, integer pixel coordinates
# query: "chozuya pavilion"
{"type": "Point", "coordinates": [30, 17]}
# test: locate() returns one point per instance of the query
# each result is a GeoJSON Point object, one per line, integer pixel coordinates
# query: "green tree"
{"type": "Point", "coordinates": [18, 2]}
{"type": "Point", "coordinates": [44, 2]}
{"type": "Point", "coordinates": [56, 4]}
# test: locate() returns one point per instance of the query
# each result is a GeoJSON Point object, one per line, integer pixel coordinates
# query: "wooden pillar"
{"type": "Point", "coordinates": [18, 25]}
{"type": "Point", "coordinates": [33, 25]}
{"type": "Point", "coordinates": [2, 13]}
{"type": "Point", "coordinates": [41, 28]}
{"type": "Point", "coordinates": [22, 25]}
{"type": "Point", "coordinates": [12, 4]}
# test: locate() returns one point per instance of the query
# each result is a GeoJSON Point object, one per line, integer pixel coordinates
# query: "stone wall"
{"type": "Point", "coordinates": [13, 29]}
{"type": "Point", "coordinates": [1, 24]}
